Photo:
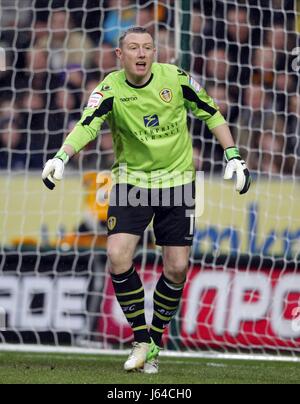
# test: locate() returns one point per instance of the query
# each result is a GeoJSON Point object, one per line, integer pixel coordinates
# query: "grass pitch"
{"type": "Point", "coordinates": [25, 368]}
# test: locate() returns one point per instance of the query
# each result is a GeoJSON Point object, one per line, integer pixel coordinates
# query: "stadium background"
{"type": "Point", "coordinates": [53, 284]}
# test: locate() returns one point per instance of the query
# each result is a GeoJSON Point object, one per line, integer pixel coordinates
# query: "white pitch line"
{"type": "Point", "coordinates": [167, 354]}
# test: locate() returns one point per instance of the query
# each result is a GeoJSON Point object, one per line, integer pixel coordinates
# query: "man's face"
{"type": "Point", "coordinates": [59, 24]}
{"type": "Point", "coordinates": [217, 64]}
{"type": "Point", "coordinates": [137, 55]}
{"type": "Point", "coordinates": [238, 25]}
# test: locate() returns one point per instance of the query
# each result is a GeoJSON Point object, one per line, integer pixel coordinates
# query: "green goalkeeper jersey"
{"type": "Point", "coordinates": [152, 144]}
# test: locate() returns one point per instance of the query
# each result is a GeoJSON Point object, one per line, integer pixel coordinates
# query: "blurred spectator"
{"type": "Point", "coordinates": [166, 47]}
{"type": "Point", "coordinates": [238, 25]}
{"type": "Point", "coordinates": [233, 32]}
{"type": "Point", "coordinates": [282, 42]}
{"type": "Point", "coordinates": [271, 148]}
{"type": "Point", "coordinates": [294, 111]}
{"type": "Point", "coordinates": [286, 84]}
{"type": "Point", "coordinates": [105, 59]}
{"type": "Point", "coordinates": [31, 108]}
{"type": "Point", "coordinates": [66, 44]}
{"type": "Point", "coordinates": [36, 74]}
{"type": "Point", "coordinates": [146, 19]}
{"type": "Point", "coordinates": [73, 76]}
{"type": "Point", "coordinates": [276, 37]}
{"type": "Point", "coordinates": [166, 13]}
{"type": "Point", "coordinates": [264, 67]}
{"type": "Point", "coordinates": [12, 156]}
{"type": "Point", "coordinates": [6, 106]}
{"type": "Point", "coordinates": [120, 15]}
{"type": "Point", "coordinates": [88, 16]}
{"type": "Point", "coordinates": [197, 27]}
{"type": "Point", "coordinates": [73, 80]}
{"type": "Point", "coordinates": [271, 154]}
{"type": "Point", "coordinates": [256, 110]}
{"type": "Point", "coordinates": [66, 103]}
{"type": "Point", "coordinates": [282, 155]}
{"type": "Point", "coordinates": [241, 42]}
{"type": "Point", "coordinates": [217, 65]}
{"type": "Point", "coordinates": [15, 13]}
{"type": "Point", "coordinates": [279, 11]}
{"type": "Point", "coordinates": [40, 30]}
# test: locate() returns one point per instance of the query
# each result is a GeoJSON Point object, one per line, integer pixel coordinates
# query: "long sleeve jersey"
{"type": "Point", "coordinates": [152, 144]}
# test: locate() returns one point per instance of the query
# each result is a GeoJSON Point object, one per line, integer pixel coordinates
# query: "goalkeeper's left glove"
{"type": "Point", "coordinates": [235, 164]}
{"type": "Point", "coordinates": [54, 169]}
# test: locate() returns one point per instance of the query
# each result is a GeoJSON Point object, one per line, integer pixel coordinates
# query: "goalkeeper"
{"type": "Point", "coordinates": [146, 106]}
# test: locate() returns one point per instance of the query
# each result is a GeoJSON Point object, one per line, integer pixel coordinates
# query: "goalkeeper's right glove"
{"type": "Point", "coordinates": [54, 169]}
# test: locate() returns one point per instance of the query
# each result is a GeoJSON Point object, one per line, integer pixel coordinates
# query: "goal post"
{"type": "Point", "coordinates": [242, 296]}
{"type": "Point", "coordinates": [185, 35]}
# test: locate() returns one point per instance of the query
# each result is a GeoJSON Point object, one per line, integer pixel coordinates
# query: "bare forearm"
{"type": "Point", "coordinates": [69, 150]}
{"type": "Point", "coordinates": [224, 136]}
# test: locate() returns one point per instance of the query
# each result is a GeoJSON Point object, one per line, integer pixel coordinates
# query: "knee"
{"type": "Point", "coordinates": [176, 270]}
{"type": "Point", "coordinates": [119, 258]}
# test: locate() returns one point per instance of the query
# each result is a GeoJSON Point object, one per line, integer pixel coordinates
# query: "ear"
{"type": "Point", "coordinates": [119, 53]}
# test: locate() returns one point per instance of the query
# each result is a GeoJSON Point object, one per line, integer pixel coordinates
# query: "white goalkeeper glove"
{"type": "Point", "coordinates": [54, 169]}
{"type": "Point", "coordinates": [235, 164]}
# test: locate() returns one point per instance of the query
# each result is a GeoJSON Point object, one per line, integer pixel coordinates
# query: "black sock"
{"type": "Point", "coordinates": [131, 296]}
{"type": "Point", "coordinates": [167, 296]}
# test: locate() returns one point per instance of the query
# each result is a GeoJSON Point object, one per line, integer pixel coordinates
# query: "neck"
{"type": "Point", "coordinates": [138, 81]}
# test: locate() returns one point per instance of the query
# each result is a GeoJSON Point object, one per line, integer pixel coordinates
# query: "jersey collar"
{"type": "Point", "coordinates": [143, 86]}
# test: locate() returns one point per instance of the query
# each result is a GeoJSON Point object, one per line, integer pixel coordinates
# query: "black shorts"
{"type": "Point", "coordinates": [132, 209]}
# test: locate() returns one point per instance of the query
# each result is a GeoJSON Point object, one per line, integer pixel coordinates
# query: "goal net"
{"type": "Point", "coordinates": [243, 289]}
